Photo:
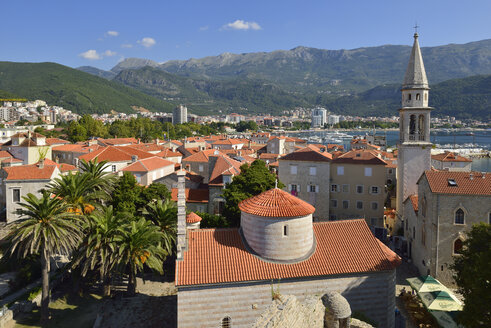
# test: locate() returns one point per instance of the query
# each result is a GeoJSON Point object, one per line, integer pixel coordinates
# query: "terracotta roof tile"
{"type": "Point", "coordinates": [56, 141]}
{"type": "Point", "coordinates": [148, 164]}
{"type": "Point", "coordinates": [466, 183]}
{"type": "Point", "coordinates": [360, 156]}
{"type": "Point", "coordinates": [310, 153]}
{"type": "Point", "coordinates": [63, 167]}
{"type": "Point", "coordinates": [201, 156]}
{"type": "Point", "coordinates": [450, 157]}
{"type": "Point", "coordinates": [276, 203]}
{"type": "Point", "coordinates": [192, 195]}
{"type": "Point", "coordinates": [193, 218]}
{"type": "Point", "coordinates": [414, 202]}
{"type": "Point", "coordinates": [117, 141]}
{"type": "Point", "coordinates": [217, 256]}
{"type": "Point", "coordinates": [115, 154]}
{"type": "Point", "coordinates": [30, 172]}
{"type": "Point", "coordinates": [224, 165]}
{"type": "Point", "coordinates": [168, 153]}
{"type": "Point", "coordinates": [5, 154]}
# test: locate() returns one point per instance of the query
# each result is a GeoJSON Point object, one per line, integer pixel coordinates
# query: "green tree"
{"type": "Point", "coordinates": [155, 191]}
{"type": "Point", "coordinates": [126, 194]}
{"type": "Point", "coordinates": [47, 229]}
{"type": "Point", "coordinates": [473, 276]}
{"type": "Point", "coordinates": [139, 244]}
{"type": "Point", "coordinates": [164, 215]}
{"type": "Point", "coordinates": [246, 125]}
{"type": "Point", "coordinates": [99, 248]}
{"type": "Point", "coordinates": [96, 171]}
{"type": "Point", "coordinates": [251, 181]}
{"type": "Point", "coordinates": [93, 127]}
{"type": "Point", "coordinates": [76, 132]}
{"type": "Point", "coordinates": [212, 220]}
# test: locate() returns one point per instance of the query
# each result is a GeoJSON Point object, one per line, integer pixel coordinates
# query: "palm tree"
{"type": "Point", "coordinates": [78, 190]}
{"type": "Point", "coordinates": [47, 229]}
{"type": "Point", "coordinates": [99, 247]}
{"type": "Point", "coordinates": [164, 215]}
{"type": "Point", "coordinates": [97, 171]}
{"type": "Point", "coordinates": [138, 244]}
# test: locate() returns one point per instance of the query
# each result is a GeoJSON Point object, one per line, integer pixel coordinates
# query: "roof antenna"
{"type": "Point", "coordinates": [276, 184]}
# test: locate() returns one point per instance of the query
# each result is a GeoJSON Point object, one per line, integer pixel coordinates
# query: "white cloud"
{"type": "Point", "coordinates": [91, 55]}
{"type": "Point", "coordinates": [239, 24]}
{"type": "Point", "coordinates": [126, 45]}
{"type": "Point", "coordinates": [112, 33]}
{"type": "Point", "coordinates": [204, 28]}
{"type": "Point", "coordinates": [147, 42]}
{"type": "Point", "coordinates": [109, 53]}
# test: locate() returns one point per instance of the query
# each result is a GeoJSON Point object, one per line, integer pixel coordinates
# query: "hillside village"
{"type": "Point", "coordinates": [321, 219]}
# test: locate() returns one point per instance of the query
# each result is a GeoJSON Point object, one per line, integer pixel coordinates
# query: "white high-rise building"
{"type": "Point", "coordinates": [180, 115]}
{"type": "Point", "coordinates": [414, 129]}
{"type": "Point", "coordinates": [319, 117]}
{"type": "Point", "coordinates": [333, 119]}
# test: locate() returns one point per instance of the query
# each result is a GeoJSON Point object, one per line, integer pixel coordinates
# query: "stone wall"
{"type": "Point", "coordinates": [205, 306]}
{"type": "Point", "coordinates": [265, 235]}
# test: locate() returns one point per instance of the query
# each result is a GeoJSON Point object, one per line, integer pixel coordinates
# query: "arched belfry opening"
{"type": "Point", "coordinates": [421, 127]}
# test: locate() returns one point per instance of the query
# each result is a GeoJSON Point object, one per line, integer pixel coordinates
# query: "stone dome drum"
{"type": "Point", "coordinates": [278, 226]}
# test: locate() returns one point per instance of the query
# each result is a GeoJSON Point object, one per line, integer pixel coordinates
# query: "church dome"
{"type": "Point", "coordinates": [276, 203]}
{"type": "Point", "coordinates": [277, 226]}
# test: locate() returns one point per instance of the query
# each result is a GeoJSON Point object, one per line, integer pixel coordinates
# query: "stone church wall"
{"type": "Point", "coordinates": [205, 306]}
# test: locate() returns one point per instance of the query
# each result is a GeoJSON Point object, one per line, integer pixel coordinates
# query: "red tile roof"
{"type": "Point", "coordinates": [148, 164]}
{"type": "Point", "coordinates": [269, 156]}
{"type": "Point", "coordinates": [414, 202]}
{"type": "Point", "coordinates": [223, 165]}
{"type": "Point", "coordinates": [148, 147]}
{"type": "Point", "coordinates": [201, 156]}
{"type": "Point", "coordinates": [217, 256]}
{"type": "Point", "coordinates": [63, 167]}
{"type": "Point", "coordinates": [30, 172]}
{"type": "Point", "coordinates": [12, 160]}
{"type": "Point", "coordinates": [230, 141]}
{"type": "Point", "coordinates": [168, 153]}
{"type": "Point", "coordinates": [117, 141]}
{"type": "Point", "coordinates": [193, 218]}
{"type": "Point", "coordinates": [360, 156]}
{"type": "Point", "coordinates": [115, 154]}
{"type": "Point", "coordinates": [5, 154]}
{"type": "Point", "coordinates": [276, 203]}
{"type": "Point", "coordinates": [77, 148]}
{"type": "Point", "coordinates": [310, 153]}
{"type": "Point", "coordinates": [467, 183]}
{"type": "Point", "coordinates": [192, 195]}
{"type": "Point", "coordinates": [56, 141]}
{"type": "Point", "coordinates": [450, 157]}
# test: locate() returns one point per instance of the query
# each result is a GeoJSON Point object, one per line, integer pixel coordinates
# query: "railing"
{"type": "Point", "coordinates": [412, 137]}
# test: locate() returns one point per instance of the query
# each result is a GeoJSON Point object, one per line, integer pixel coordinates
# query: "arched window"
{"type": "Point", "coordinates": [459, 216]}
{"type": "Point", "coordinates": [423, 206]}
{"type": "Point", "coordinates": [412, 124]}
{"type": "Point", "coordinates": [409, 96]}
{"type": "Point", "coordinates": [418, 96]}
{"type": "Point", "coordinates": [457, 246]}
{"type": "Point", "coordinates": [421, 125]}
{"type": "Point", "coordinates": [226, 322]}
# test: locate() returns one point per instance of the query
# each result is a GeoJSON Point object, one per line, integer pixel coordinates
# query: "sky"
{"type": "Point", "coordinates": [101, 33]}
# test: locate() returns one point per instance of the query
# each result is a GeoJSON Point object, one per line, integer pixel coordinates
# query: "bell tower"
{"type": "Point", "coordinates": [414, 148]}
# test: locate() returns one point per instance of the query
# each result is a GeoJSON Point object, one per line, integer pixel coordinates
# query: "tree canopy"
{"type": "Point", "coordinates": [473, 276]}
{"type": "Point", "coordinates": [253, 180]}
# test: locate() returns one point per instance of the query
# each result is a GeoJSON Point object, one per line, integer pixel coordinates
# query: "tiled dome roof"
{"type": "Point", "coordinates": [193, 218]}
{"type": "Point", "coordinates": [276, 203]}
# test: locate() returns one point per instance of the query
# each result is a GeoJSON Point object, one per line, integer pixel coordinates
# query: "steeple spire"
{"type": "Point", "coordinates": [415, 77]}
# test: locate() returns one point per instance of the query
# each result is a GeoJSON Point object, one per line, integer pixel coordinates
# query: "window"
{"type": "Point", "coordinates": [359, 189]}
{"type": "Point", "coordinates": [334, 203]}
{"type": "Point", "coordinates": [285, 230]}
{"type": "Point", "coordinates": [113, 168]}
{"type": "Point", "coordinates": [459, 216]}
{"type": "Point", "coordinates": [412, 124]}
{"type": "Point", "coordinates": [359, 204]}
{"type": "Point", "coordinates": [332, 217]}
{"type": "Point", "coordinates": [374, 190]}
{"type": "Point", "coordinates": [390, 171]}
{"type": "Point", "coordinates": [423, 234]}
{"type": "Point", "coordinates": [373, 221]}
{"type": "Point", "coordinates": [457, 246]}
{"type": "Point", "coordinates": [340, 170]}
{"type": "Point", "coordinates": [423, 206]}
{"type": "Point", "coordinates": [226, 179]}
{"type": "Point", "coordinates": [414, 233]}
{"type": "Point", "coordinates": [334, 188]}
{"type": "Point", "coordinates": [293, 187]}
{"type": "Point", "coordinates": [374, 206]}
{"type": "Point", "coordinates": [409, 97]}
{"type": "Point", "coordinates": [313, 188]}
{"type": "Point", "coordinates": [201, 168]}
{"type": "Point", "coordinates": [418, 96]}
{"type": "Point", "coordinates": [345, 203]}
{"type": "Point", "coordinates": [368, 171]}
{"type": "Point", "coordinates": [226, 322]}
{"type": "Point", "coordinates": [293, 169]}
{"type": "Point", "coordinates": [345, 188]}
{"type": "Point", "coordinates": [312, 170]}
{"type": "Point", "coordinates": [16, 195]}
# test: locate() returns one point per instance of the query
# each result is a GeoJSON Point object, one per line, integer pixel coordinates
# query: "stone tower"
{"type": "Point", "coordinates": [414, 148]}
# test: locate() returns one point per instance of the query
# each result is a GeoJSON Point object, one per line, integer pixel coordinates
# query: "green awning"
{"type": "Point", "coordinates": [440, 301]}
{"type": "Point", "coordinates": [444, 319]}
{"type": "Point", "coordinates": [425, 284]}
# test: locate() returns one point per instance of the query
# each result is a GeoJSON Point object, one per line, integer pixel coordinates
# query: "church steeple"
{"type": "Point", "coordinates": [415, 73]}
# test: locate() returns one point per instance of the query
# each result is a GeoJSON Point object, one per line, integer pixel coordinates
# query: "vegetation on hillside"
{"type": "Point", "coordinates": [73, 89]}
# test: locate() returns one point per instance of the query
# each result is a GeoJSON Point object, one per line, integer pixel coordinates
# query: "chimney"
{"type": "Point", "coordinates": [134, 158]}
{"type": "Point", "coordinates": [41, 164]}
{"type": "Point", "coordinates": [181, 214]}
{"type": "Point", "coordinates": [471, 176]}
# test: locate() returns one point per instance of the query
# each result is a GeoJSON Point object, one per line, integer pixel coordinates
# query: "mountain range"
{"type": "Point", "coordinates": [362, 81]}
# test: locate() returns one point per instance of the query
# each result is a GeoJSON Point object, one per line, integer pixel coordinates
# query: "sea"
{"type": "Point", "coordinates": [444, 139]}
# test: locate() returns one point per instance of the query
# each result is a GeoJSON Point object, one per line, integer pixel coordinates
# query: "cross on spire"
{"type": "Point", "coordinates": [416, 28]}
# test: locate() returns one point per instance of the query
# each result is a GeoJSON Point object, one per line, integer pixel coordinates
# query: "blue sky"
{"type": "Point", "coordinates": [101, 33]}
